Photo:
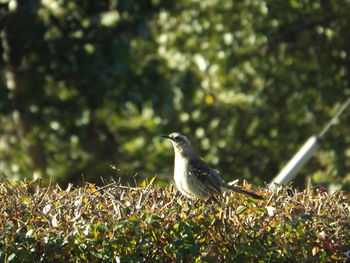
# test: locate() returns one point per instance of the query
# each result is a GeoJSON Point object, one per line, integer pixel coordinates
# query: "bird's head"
{"type": "Point", "coordinates": [180, 143]}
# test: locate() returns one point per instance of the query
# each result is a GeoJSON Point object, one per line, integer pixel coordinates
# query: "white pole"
{"type": "Point", "coordinates": [306, 151]}
{"type": "Point", "coordinates": [297, 162]}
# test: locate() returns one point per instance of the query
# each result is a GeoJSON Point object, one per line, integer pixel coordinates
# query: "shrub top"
{"type": "Point", "coordinates": [132, 224]}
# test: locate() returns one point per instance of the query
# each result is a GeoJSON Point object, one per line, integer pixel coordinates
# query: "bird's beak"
{"type": "Point", "coordinates": [166, 136]}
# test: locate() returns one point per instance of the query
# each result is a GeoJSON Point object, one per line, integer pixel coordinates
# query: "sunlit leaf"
{"type": "Point", "coordinates": [240, 209]}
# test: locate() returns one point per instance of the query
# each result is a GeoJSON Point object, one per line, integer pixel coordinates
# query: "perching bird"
{"type": "Point", "coordinates": [193, 177]}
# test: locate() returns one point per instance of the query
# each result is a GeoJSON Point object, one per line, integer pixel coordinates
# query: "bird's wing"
{"type": "Point", "coordinates": [206, 175]}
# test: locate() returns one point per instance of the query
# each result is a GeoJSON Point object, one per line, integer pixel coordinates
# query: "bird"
{"type": "Point", "coordinates": [193, 176]}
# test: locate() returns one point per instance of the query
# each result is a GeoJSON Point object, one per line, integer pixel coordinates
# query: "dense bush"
{"type": "Point", "coordinates": [115, 223]}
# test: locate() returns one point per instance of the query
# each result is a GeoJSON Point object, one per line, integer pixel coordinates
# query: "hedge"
{"type": "Point", "coordinates": [116, 223]}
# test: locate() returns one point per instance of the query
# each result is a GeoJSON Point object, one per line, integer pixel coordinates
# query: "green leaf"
{"type": "Point", "coordinates": [240, 209]}
{"type": "Point", "coordinates": [152, 180]}
{"type": "Point", "coordinates": [12, 256]}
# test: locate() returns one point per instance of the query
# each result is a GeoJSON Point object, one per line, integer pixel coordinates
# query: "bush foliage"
{"type": "Point", "coordinates": [115, 223]}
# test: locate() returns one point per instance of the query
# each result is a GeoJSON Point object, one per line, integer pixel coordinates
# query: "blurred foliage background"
{"type": "Point", "coordinates": [86, 85]}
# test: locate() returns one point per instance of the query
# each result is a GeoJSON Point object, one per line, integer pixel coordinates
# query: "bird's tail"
{"type": "Point", "coordinates": [241, 191]}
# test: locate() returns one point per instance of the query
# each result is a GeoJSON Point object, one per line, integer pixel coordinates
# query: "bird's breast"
{"type": "Point", "coordinates": [180, 170]}
{"type": "Point", "coordinates": [181, 176]}
{"type": "Point", "coordinates": [188, 185]}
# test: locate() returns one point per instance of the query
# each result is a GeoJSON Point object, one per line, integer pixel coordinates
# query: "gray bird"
{"type": "Point", "coordinates": [193, 177]}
